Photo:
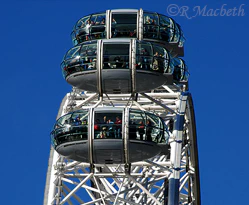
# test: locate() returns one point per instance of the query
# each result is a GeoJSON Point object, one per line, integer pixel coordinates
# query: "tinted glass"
{"type": "Point", "coordinates": [89, 28]}
{"type": "Point", "coordinates": [137, 125]}
{"type": "Point", "coordinates": [74, 52]}
{"type": "Point", "coordinates": [151, 28]}
{"type": "Point", "coordinates": [150, 18]}
{"type": "Point", "coordinates": [164, 21]}
{"type": "Point", "coordinates": [116, 56]}
{"type": "Point", "coordinates": [151, 57]}
{"type": "Point", "coordinates": [70, 127]}
{"type": "Point", "coordinates": [82, 22]}
{"type": "Point", "coordinates": [124, 25]}
{"type": "Point", "coordinates": [80, 58]}
{"type": "Point", "coordinates": [108, 125]}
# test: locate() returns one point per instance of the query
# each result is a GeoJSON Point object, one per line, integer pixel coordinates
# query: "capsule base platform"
{"type": "Point", "coordinates": [110, 151]}
{"type": "Point", "coordinates": [119, 80]}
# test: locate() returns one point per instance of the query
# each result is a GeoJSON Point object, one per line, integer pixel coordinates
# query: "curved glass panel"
{"type": "Point", "coordinates": [149, 57]}
{"type": "Point", "coordinates": [82, 22]}
{"type": "Point", "coordinates": [171, 65]}
{"type": "Point", "coordinates": [137, 125]}
{"type": "Point", "coordinates": [146, 126]}
{"type": "Point", "coordinates": [88, 55]}
{"type": "Point", "coordinates": [182, 39]}
{"type": "Point", "coordinates": [72, 53]}
{"type": "Point", "coordinates": [124, 25]}
{"type": "Point", "coordinates": [108, 124]}
{"type": "Point", "coordinates": [79, 58]}
{"type": "Point", "coordinates": [176, 34]}
{"type": "Point", "coordinates": [162, 28]}
{"type": "Point", "coordinates": [166, 28]}
{"type": "Point", "coordinates": [144, 57]}
{"type": "Point", "coordinates": [160, 62]}
{"type": "Point", "coordinates": [151, 28]}
{"type": "Point", "coordinates": [181, 72]}
{"type": "Point", "coordinates": [155, 26]}
{"type": "Point", "coordinates": [89, 28]}
{"type": "Point", "coordinates": [184, 72]}
{"type": "Point", "coordinates": [152, 57]}
{"type": "Point", "coordinates": [71, 60]}
{"type": "Point", "coordinates": [70, 127]}
{"type": "Point", "coordinates": [116, 56]}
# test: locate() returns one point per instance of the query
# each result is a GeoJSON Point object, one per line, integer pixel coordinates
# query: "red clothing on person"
{"type": "Point", "coordinates": [96, 127]}
{"type": "Point", "coordinates": [118, 121]}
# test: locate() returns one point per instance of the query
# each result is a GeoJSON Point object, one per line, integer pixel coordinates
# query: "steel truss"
{"type": "Point", "coordinates": [165, 179]}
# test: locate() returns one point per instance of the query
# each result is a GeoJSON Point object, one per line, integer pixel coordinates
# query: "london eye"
{"type": "Point", "coordinates": [126, 132]}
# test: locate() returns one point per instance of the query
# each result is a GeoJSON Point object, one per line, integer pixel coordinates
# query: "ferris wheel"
{"type": "Point", "coordinates": [126, 132]}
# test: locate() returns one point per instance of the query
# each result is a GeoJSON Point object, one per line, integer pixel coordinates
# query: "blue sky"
{"type": "Point", "coordinates": [36, 34]}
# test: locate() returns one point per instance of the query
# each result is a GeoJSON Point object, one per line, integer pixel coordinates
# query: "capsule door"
{"type": "Point", "coordinates": [123, 23]}
{"type": "Point", "coordinates": [116, 76]}
{"type": "Point", "coordinates": [108, 136]}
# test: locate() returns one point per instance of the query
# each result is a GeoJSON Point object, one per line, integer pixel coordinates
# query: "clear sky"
{"type": "Point", "coordinates": [35, 35]}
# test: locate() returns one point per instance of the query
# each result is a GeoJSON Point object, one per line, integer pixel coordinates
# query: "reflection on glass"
{"type": "Point", "coordinates": [108, 125]}
{"type": "Point", "coordinates": [182, 39]}
{"type": "Point", "coordinates": [176, 34]}
{"type": "Point", "coordinates": [116, 56]}
{"type": "Point", "coordinates": [151, 28]}
{"type": "Point", "coordinates": [165, 34]}
{"type": "Point", "coordinates": [147, 127]}
{"type": "Point", "coordinates": [166, 28]}
{"type": "Point", "coordinates": [124, 25]}
{"type": "Point", "coordinates": [137, 125]}
{"type": "Point", "coordinates": [162, 28]}
{"type": "Point", "coordinates": [89, 28]}
{"type": "Point", "coordinates": [164, 21]}
{"type": "Point", "coordinates": [88, 56]}
{"type": "Point", "coordinates": [155, 26]}
{"type": "Point", "coordinates": [70, 127]}
{"type": "Point", "coordinates": [149, 57]}
{"type": "Point", "coordinates": [79, 58]}
{"type": "Point", "coordinates": [144, 56]}
{"type": "Point", "coordinates": [143, 126]}
{"type": "Point", "coordinates": [152, 58]}
{"type": "Point", "coordinates": [180, 70]}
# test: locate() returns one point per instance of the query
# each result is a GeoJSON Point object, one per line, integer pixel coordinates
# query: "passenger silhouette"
{"type": "Point", "coordinates": [132, 130]}
{"type": "Point", "coordinates": [141, 130]}
{"type": "Point", "coordinates": [118, 123]}
{"type": "Point", "coordinates": [88, 29]}
{"type": "Point", "coordinates": [110, 128]}
{"type": "Point", "coordinates": [149, 130]}
{"type": "Point", "coordinates": [118, 62]}
{"type": "Point", "coordinates": [77, 121]}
